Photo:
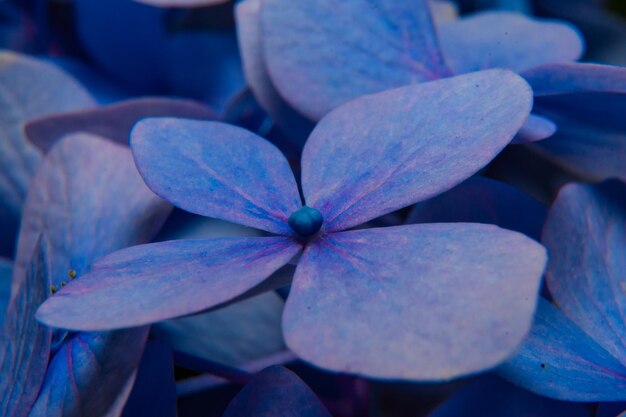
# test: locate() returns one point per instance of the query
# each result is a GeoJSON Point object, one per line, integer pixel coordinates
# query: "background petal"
{"type": "Point", "coordinates": [28, 88]}
{"type": "Point", "coordinates": [586, 102]}
{"type": "Point", "coordinates": [484, 200]}
{"type": "Point", "coordinates": [112, 122]}
{"type": "Point", "coordinates": [561, 361]}
{"type": "Point", "coordinates": [276, 392]}
{"type": "Point", "coordinates": [386, 151]}
{"type": "Point", "coordinates": [420, 302]}
{"type": "Point", "coordinates": [322, 53]}
{"type": "Point", "coordinates": [154, 282]}
{"type": "Point", "coordinates": [586, 274]}
{"type": "Point", "coordinates": [217, 170]}
{"type": "Point", "coordinates": [6, 270]}
{"type": "Point", "coordinates": [507, 40]}
{"type": "Point", "coordinates": [181, 3]}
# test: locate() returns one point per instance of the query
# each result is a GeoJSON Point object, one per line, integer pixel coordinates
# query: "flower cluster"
{"type": "Point", "coordinates": [287, 208]}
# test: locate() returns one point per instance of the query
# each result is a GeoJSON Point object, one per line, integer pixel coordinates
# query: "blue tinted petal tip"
{"type": "Point", "coordinates": [306, 221]}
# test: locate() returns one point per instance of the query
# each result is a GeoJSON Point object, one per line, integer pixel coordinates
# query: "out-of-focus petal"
{"type": "Point", "coordinates": [149, 283]}
{"type": "Point", "coordinates": [385, 151]}
{"type": "Point", "coordinates": [559, 360]}
{"type": "Point", "coordinates": [585, 236]}
{"type": "Point", "coordinates": [322, 53]}
{"type": "Point", "coordinates": [181, 3]}
{"type": "Point", "coordinates": [507, 40]}
{"type": "Point", "coordinates": [6, 271]}
{"type": "Point", "coordinates": [586, 101]}
{"type": "Point", "coordinates": [112, 122]}
{"type": "Point", "coordinates": [420, 302]}
{"type": "Point", "coordinates": [276, 392]}
{"type": "Point", "coordinates": [483, 200]}
{"type": "Point", "coordinates": [443, 11]}
{"type": "Point", "coordinates": [535, 129]}
{"type": "Point", "coordinates": [217, 170]}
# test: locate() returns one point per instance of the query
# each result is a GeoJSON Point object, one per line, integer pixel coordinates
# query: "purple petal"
{"type": "Point", "coordinates": [112, 122]}
{"type": "Point", "coordinates": [250, 35]}
{"type": "Point", "coordinates": [535, 129]}
{"type": "Point", "coordinates": [276, 392]}
{"type": "Point", "coordinates": [128, 287]}
{"type": "Point", "coordinates": [586, 101]}
{"type": "Point", "coordinates": [323, 53]}
{"type": "Point", "coordinates": [29, 88]}
{"type": "Point", "coordinates": [217, 170]}
{"type": "Point", "coordinates": [443, 11]}
{"type": "Point", "coordinates": [91, 374]}
{"type": "Point", "coordinates": [507, 40]}
{"type": "Point", "coordinates": [86, 199]}
{"type": "Point", "coordinates": [561, 361]}
{"type": "Point", "coordinates": [24, 343]}
{"type": "Point", "coordinates": [181, 3]}
{"type": "Point", "coordinates": [483, 200]}
{"type": "Point", "coordinates": [489, 396]}
{"type": "Point", "coordinates": [386, 151]}
{"type": "Point", "coordinates": [421, 302]}
{"type": "Point", "coordinates": [585, 237]}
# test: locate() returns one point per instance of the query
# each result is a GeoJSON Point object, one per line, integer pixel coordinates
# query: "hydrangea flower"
{"type": "Point", "coordinates": [576, 348]}
{"type": "Point", "coordinates": [86, 200]}
{"type": "Point", "coordinates": [428, 302]}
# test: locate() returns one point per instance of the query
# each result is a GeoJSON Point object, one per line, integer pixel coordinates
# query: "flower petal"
{"type": "Point", "coordinates": [535, 129]}
{"type": "Point", "coordinates": [386, 151]}
{"type": "Point", "coordinates": [6, 271]}
{"type": "Point", "coordinates": [28, 88]}
{"type": "Point", "coordinates": [154, 282]}
{"type": "Point", "coordinates": [181, 3]}
{"type": "Point", "coordinates": [112, 122]}
{"type": "Point", "coordinates": [276, 392]}
{"type": "Point", "coordinates": [507, 40]}
{"type": "Point", "coordinates": [322, 53]}
{"type": "Point", "coordinates": [421, 302]}
{"type": "Point", "coordinates": [217, 170]}
{"type": "Point", "coordinates": [559, 360]}
{"type": "Point", "coordinates": [586, 274]}
{"type": "Point", "coordinates": [483, 200]}
{"type": "Point", "coordinates": [586, 102]}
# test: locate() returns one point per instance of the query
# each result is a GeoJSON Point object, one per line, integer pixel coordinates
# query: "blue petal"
{"type": "Point", "coordinates": [443, 11]}
{"type": "Point", "coordinates": [217, 170]}
{"type": "Point", "coordinates": [154, 391]}
{"type": "Point", "coordinates": [29, 88]}
{"type": "Point", "coordinates": [6, 270]}
{"type": "Point", "coordinates": [24, 343]}
{"type": "Point", "coordinates": [250, 42]}
{"type": "Point", "coordinates": [87, 200]}
{"type": "Point", "coordinates": [113, 122]}
{"type": "Point", "coordinates": [586, 101]}
{"type": "Point", "coordinates": [421, 302]}
{"type": "Point", "coordinates": [559, 360]}
{"type": "Point", "coordinates": [181, 3]}
{"type": "Point", "coordinates": [323, 53]}
{"type": "Point", "coordinates": [149, 283]}
{"type": "Point", "coordinates": [483, 200]}
{"type": "Point", "coordinates": [276, 392]}
{"type": "Point", "coordinates": [535, 129]}
{"type": "Point", "coordinates": [383, 152]}
{"type": "Point", "coordinates": [491, 397]}
{"type": "Point", "coordinates": [239, 333]}
{"type": "Point", "coordinates": [507, 40]}
{"type": "Point", "coordinates": [586, 276]}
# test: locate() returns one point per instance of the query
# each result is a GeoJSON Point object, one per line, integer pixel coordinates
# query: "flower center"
{"type": "Point", "coordinates": [306, 221]}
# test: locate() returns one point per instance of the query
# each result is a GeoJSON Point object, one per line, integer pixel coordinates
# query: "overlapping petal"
{"type": "Point", "coordinates": [154, 282]}
{"type": "Point", "coordinates": [420, 302]}
{"type": "Point", "coordinates": [586, 102]}
{"type": "Point", "coordinates": [383, 152]}
{"type": "Point", "coordinates": [507, 40]}
{"type": "Point", "coordinates": [276, 392]}
{"type": "Point", "coordinates": [217, 170]}
{"type": "Point", "coordinates": [113, 122]}
{"type": "Point", "coordinates": [322, 53]}
{"type": "Point", "coordinates": [6, 271]}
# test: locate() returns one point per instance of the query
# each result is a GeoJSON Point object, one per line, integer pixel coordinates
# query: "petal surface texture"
{"type": "Point", "coordinates": [385, 151]}
{"type": "Point", "coordinates": [422, 302]}
{"type": "Point", "coordinates": [507, 40]}
{"type": "Point", "coordinates": [276, 392]}
{"type": "Point", "coordinates": [217, 170]}
{"type": "Point", "coordinates": [586, 101]}
{"type": "Point", "coordinates": [154, 282]}
{"type": "Point", "coordinates": [586, 275]}
{"type": "Point", "coordinates": [322, 53]}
